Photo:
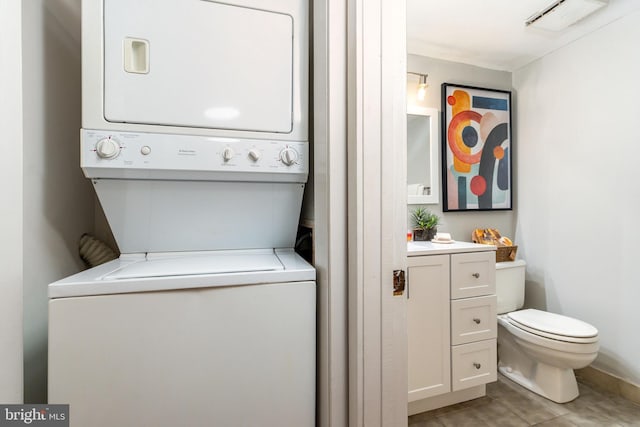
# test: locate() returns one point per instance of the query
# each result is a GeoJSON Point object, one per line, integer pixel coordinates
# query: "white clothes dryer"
{"type": "Point", "coordinates": [233, 68]}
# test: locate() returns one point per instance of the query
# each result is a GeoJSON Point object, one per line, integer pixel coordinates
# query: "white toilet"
{"type": "Point", "coordinates": [537, 349]}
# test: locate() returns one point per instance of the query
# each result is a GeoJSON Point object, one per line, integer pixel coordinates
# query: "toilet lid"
{"type": "Point", "coordinates": [554, 326]}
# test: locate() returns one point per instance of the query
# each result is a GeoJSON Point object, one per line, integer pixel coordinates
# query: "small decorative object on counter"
{"type": "Point", "coordinates": [506, 250]}
{"type": "Point", "coordinates": [424, 223]}
{"type": "Point", "coordinates": [443, 238]}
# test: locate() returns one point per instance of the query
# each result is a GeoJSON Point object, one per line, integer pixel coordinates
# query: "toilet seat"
{"type": "Point", "coordinates": [554, 326]}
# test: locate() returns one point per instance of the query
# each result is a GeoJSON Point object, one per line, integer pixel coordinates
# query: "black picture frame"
{"type": "Point", "coordinates": [476, 149]}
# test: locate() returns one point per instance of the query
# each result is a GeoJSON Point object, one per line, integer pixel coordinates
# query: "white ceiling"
{"type": "Point", "coordinates": [491, 33]}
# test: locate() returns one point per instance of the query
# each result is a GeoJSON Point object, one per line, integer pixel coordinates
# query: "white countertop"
{"type": "Point", "coordinates": [431, 248]}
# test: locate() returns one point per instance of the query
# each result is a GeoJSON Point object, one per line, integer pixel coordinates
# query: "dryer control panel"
{"type": "Point", "coordinates": [107, 154]}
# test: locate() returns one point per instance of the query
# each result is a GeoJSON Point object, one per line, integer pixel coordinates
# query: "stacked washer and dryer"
{"type": "Point", "coordinates": [194, 136]}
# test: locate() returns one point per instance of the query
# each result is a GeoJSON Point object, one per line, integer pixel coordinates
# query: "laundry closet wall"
{"type": "Point", "coordinates": [57, 199]}
{"type": "Point", "coordinates": [11, 204]}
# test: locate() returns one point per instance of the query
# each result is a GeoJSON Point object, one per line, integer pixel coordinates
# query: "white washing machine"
{"type": "Point", "coordinates": [203, 339]}
{"type": "Point", "coordinates": [195, 140]}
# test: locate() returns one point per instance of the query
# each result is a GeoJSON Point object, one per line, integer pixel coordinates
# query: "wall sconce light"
{"type": "Point", "coordinates": [422, 85]}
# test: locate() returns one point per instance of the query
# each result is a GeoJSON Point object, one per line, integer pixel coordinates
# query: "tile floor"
{"type": "Point", "coordinates": [508, 404]}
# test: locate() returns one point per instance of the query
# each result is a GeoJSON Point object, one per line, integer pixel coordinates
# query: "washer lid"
{"type": "Point", "coordinates": [554, 326]}
{"type": "Point", "coordinates": [132, 273]}
{"type": "Point", "coordinates": [177, 264]}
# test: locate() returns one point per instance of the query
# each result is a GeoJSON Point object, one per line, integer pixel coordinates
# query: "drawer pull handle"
{"type": "Point", "coordinates": [477, 365]}
{"type": "Point", "coordinates": [475, 319]}
{"type": "Point", "coordinates": [476, 275]}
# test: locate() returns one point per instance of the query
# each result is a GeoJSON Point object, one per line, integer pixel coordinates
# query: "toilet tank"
{"type": "Point", "coordinates": [510, 285]}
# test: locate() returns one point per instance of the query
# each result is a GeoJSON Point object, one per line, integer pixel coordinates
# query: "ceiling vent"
{"type": "Point", "coordinates": [562, 13]}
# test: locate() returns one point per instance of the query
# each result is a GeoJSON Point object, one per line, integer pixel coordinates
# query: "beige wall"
{"type": "Point", "coordinates": [460, 224]}
{"type": "Point", "coordinates": [58, 200]}
{"type": "Point", "coordinates": [578, 193]}
{"type": "Point", "coordinates": [10, 204]}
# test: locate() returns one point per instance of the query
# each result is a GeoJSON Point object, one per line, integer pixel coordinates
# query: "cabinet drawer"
{"type": "Point", "coordinates": [473, 319]}
{"type": "Point", "coordinates": [473, 274]}
{"type": "Point", "coordinates": [473, 364]}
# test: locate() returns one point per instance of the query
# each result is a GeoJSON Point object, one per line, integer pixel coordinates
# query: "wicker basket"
{"type": "Point", "coordinates": [506, 253]}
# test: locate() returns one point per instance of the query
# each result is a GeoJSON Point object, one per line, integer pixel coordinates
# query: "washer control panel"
{"type": "Point", "coordinates": [131, 151]}
{"type": "Point", "coordinates": [107, 148]}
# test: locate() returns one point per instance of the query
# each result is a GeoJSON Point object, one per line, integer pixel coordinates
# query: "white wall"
{"type": "Point", "coordinates": [460, 224]}
{"type": "Point", "coordinates": [578, 189]}
{"type": "Point", "coordinates": [58, 200]}
{"type": "Point", "coordinates": [10, 204]}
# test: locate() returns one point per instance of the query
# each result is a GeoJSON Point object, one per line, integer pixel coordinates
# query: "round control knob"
{"type": "Point", "coordinates": [254, 154]}
{"type": "Point", "coordinates": [227, 154]}
{"type": "Point", "coordinates": [289, 156]}
{"type": "Point", "coordinates": [108, 148]}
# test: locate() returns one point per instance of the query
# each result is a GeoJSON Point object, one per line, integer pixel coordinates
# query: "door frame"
{"type": "Point", "coordinates": [329, 124]}
{"type": "Point", "coordinates": [377, 212]}
{"type": "Point", "coordinates": [359, 118]}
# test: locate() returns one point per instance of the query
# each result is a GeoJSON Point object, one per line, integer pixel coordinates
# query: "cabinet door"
{"type": "Point", "coordinates": [428, 326]}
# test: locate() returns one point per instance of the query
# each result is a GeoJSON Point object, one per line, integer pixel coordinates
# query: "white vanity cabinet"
{"type": "Point", "coordinates": [428, 327]}
{"type": "Point", "coordinates": [452, 325]}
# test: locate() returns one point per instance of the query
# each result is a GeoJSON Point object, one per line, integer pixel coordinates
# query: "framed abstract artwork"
{"type": "Point", "coordinates": [476, 148]}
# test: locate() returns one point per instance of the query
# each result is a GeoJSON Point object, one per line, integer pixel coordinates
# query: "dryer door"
{"type": "Point", "coordinates": [194, 63]}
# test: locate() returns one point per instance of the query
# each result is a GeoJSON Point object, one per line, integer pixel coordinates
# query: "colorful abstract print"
{"type": "Point", "coordinates": [477, 145]}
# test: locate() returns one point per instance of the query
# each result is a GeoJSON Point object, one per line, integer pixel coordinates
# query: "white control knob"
{"type": "Point", "coordinates": [289, 156]}
{"type": "Point", "coordinates": [108, 148]}
{"type": "Point", "coordinates": [227, 154]}
{"type": "Point", "coordinates": [254, 154]}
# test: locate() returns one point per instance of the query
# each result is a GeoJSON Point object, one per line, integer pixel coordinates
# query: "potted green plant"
{"type": "Point", "coordinates": [425, 224]}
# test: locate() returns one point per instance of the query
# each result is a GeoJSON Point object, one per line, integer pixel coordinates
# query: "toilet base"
{"type": "Point", "coordinates": [556, 384]}
{"type": "Point", "coordinates": [541, 368]}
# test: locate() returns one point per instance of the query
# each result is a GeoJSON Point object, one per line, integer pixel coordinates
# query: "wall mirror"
{"type": "Point", "coordinates": [422, 155]}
